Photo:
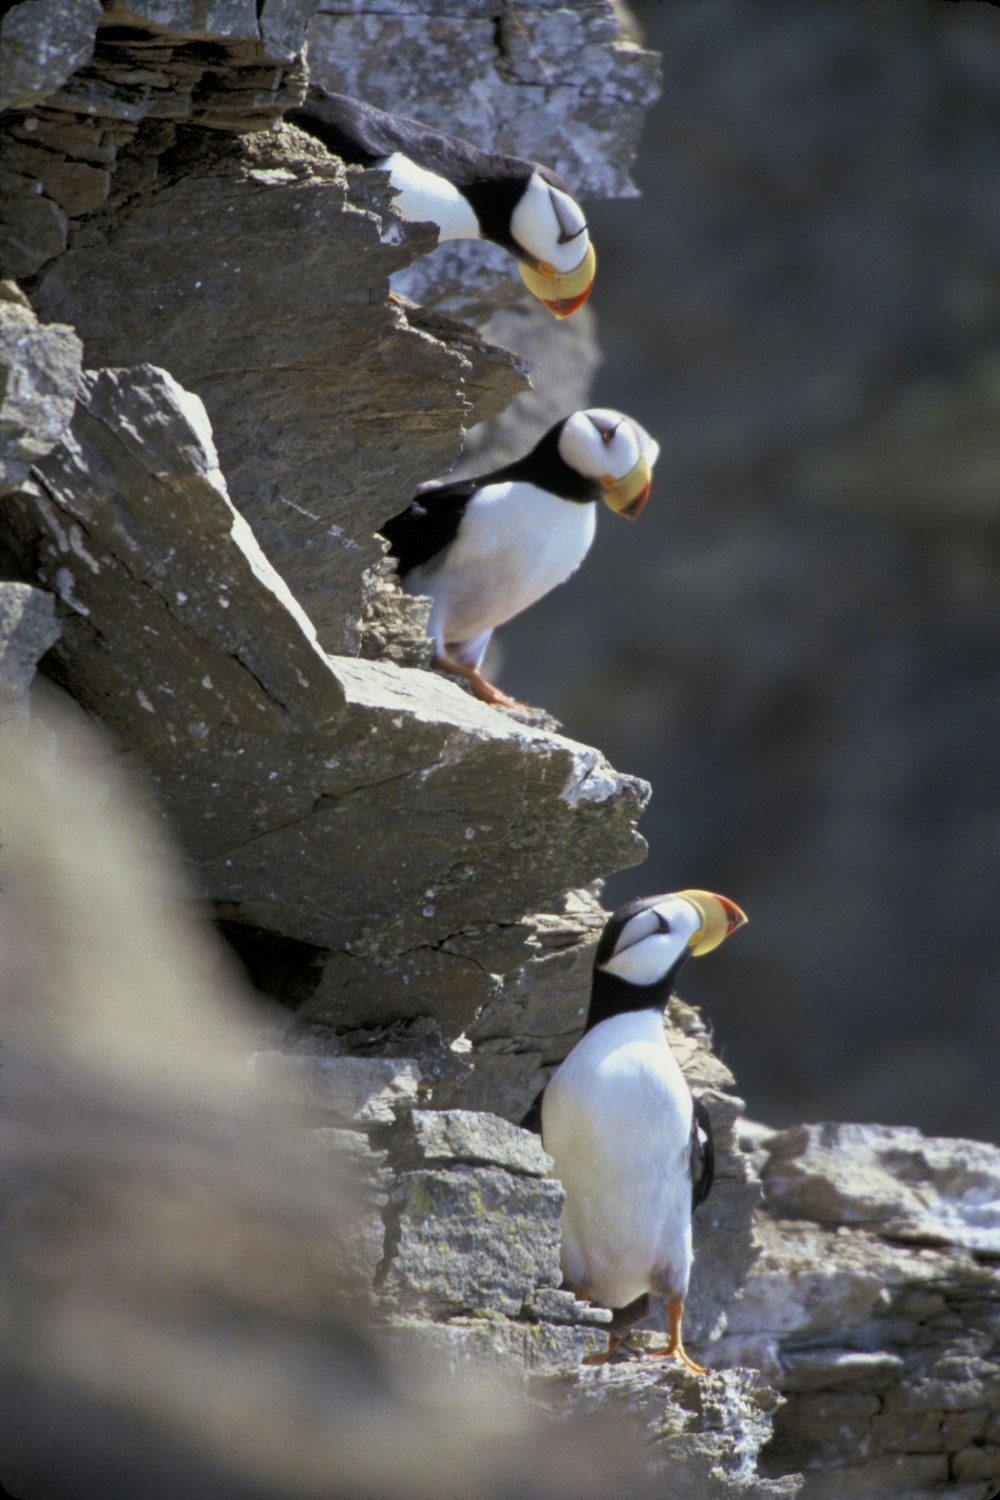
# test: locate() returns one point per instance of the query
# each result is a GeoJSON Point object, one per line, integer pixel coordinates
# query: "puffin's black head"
{"type": "Point", "coordinates": [647, 942]}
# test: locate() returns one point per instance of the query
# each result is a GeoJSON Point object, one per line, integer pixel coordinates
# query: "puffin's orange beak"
{"type": "Point", "coordinates": [720, 917]}
{"type": "Point", "coordinates": [627, 497]}
{"type": "Point", "coordinates": [561, 291]}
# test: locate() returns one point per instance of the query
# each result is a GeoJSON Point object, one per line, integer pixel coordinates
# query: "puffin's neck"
{"type": "Point", "coordinates": [611, 996]}
{"type": "Point", "coordinates": [546, 467]}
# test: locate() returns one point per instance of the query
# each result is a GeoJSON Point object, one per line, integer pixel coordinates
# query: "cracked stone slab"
{"type": "Point", "coordinates": [43, 42]}
{"type": "Point", "coordinates": [896, 1181]}
{"type": "Point", "coordinates": [28, 627]}
{"type": "Point", "coordinates": [287, 774]}
{"type": "Point", "coordinates": [40, 371]}
{"type": "Point", "coordinates": [162, 639]}
{"type": "Point", "coordinates": [328, 408]}
{"type": "Point", "coordinates": [466, 1239]}
{"type": "Point", "coordinates": [231, 64]}
{"type": "Point", "coordinates": [704, 1432]}
{"type": "Point", "coordinates": [471, 1137]}
{"type": "Point", "coordinates": [86, 84]}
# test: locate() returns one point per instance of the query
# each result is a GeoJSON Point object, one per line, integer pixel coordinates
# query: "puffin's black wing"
{"type": "Point", "coordinates": [702, 1154]}
{"type": "Point", "coordinates": [429, 524]}
{"type": "Point", "coordinates": [533, 1118]}
{"type": "Point", "coordinates": [361, 134]}
{"type": "Point", "coordinates": [354, 131]}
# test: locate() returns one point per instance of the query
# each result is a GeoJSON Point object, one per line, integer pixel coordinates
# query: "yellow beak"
{"type": "Point", "coordinates": [719, 918]}
{"type": "Point", "coordinates": [627, 497]}
{"type": "Point", "coordinates": [561, 291]}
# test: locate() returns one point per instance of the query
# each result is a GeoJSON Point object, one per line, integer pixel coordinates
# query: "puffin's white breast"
{"type": "Point", "coordinates": [616, 1117]}
{"type": "Point", "coordinates": [514, 544]}
{"type": "Point", "coordinates": [423, 196]}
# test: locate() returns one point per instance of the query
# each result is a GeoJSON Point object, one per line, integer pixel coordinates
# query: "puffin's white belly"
{"type": "Point", "coordinates": [423, 197]}
{"type": "Point", "coordinates": [514, 544]}
{"type": "Point", "coordinates": [616, 1117]}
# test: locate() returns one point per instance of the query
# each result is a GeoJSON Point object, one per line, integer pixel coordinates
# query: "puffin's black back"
{"type": "Point", "coordinates": [430, 522]}
{"type": "Point", "coordinates": [428, 525]}
{"type": "Point", "coordinates": [361, 134]}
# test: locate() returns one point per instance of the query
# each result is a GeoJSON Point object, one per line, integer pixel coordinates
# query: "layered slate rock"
{"type": "Point", "coordinates": [40, 370]}
{"type": "Point", "coordinates": [80, 81]}
{"type": "Point", "coordinates": [329, 409]}
{"type": "Point", "coordinates": [703, 1433]}
{"type": "Point", "coordinates": [875, 1309]}
{"type": "Point", "coordinates": [28, 628]}
{"type": "Point", "coordinates": [367, 810]}
{"type": "Point", "coordinates": [891, 1179]}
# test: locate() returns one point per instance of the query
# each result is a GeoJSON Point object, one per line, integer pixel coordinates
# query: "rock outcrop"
{"type": "Point", "coordinates": [875, 1309]}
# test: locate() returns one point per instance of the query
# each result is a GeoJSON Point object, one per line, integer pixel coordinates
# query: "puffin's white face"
{"type": "Point", "coordinates": [559, 261]}
{"type": "Point", "coordinates": [549, 225]}
{"type": "Point", "coordinates": [602, 444]}
{"type": "Point", "coordinates": [655, 936]}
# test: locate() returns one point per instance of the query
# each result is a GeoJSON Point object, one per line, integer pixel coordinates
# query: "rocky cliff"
{"type": "Point", "coordinates": [210, 403]}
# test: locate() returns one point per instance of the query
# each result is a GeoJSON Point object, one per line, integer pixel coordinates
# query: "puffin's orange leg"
{"type": "Point", "coordinates": [482, 689]}
{"type": "Point", "coordinates": [614, 1339]}
{"type": "Point", "coordinates": [675, 1348]}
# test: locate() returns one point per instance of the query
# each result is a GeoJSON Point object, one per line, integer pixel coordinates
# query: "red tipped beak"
{"type": "Point", "coordinates": [734, 916]}
{"type": "Point", "coordinates": [564, 307]}
{"type": "Point", "coordinates": [638, 505]}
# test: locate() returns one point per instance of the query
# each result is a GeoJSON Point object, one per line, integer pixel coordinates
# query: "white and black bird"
{"type": "Point", "coordinates": [483, 549]}
{"type": "Point", "coordinates": [632, 1146]}
{"type": "Point", "coordinates": [466, 192]}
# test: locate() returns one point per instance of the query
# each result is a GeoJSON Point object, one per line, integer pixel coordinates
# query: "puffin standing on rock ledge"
{"type": "Point", "coordinates": [632, 1147]}
{"type": "Point", "coordinates": [486, 548]}
{"type": "Point", "coordinates": [468, 193]}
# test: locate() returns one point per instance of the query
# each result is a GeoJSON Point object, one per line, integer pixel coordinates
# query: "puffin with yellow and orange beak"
{"type": "Point", "coordinates": [631, 1145]}
{"type": "Point", "coordinates": [483, 549]}
{"type": "Point", "coordinates": [468, 193]}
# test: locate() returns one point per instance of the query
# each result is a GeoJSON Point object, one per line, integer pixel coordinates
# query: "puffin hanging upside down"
{"type": "Point", "coordinates": [486, 548]}
{"type": "Point", "coordinates": [468, 193]}
{"type": "Point", "coordinates": [632, 1147]}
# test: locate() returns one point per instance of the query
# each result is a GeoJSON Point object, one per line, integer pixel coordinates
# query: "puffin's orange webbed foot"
{"type": "Point", "coordinates": [680, 1353]}
{"type": "Point", "coordinates": [485, 691]}
{"type": "Point", "coordinates": [675, 1348]}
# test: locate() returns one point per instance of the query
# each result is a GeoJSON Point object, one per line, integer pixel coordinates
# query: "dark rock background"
{"type": "Point", "coordinates": [798, 643]}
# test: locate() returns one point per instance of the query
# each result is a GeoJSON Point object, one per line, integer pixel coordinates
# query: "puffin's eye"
{"type": "Point", "coordinates": [608, 433]}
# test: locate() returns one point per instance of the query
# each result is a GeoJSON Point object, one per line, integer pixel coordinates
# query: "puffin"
{"type": "Point", "coordinates": [468, 193]}
{"type": "Point", "coordinates": [485, 548]}
{"type": "Point", "coordinates": [631, 1145]}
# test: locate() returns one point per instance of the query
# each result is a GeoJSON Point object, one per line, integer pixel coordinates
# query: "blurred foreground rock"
{"type": "Point", "coordinates": [190, 1244]}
